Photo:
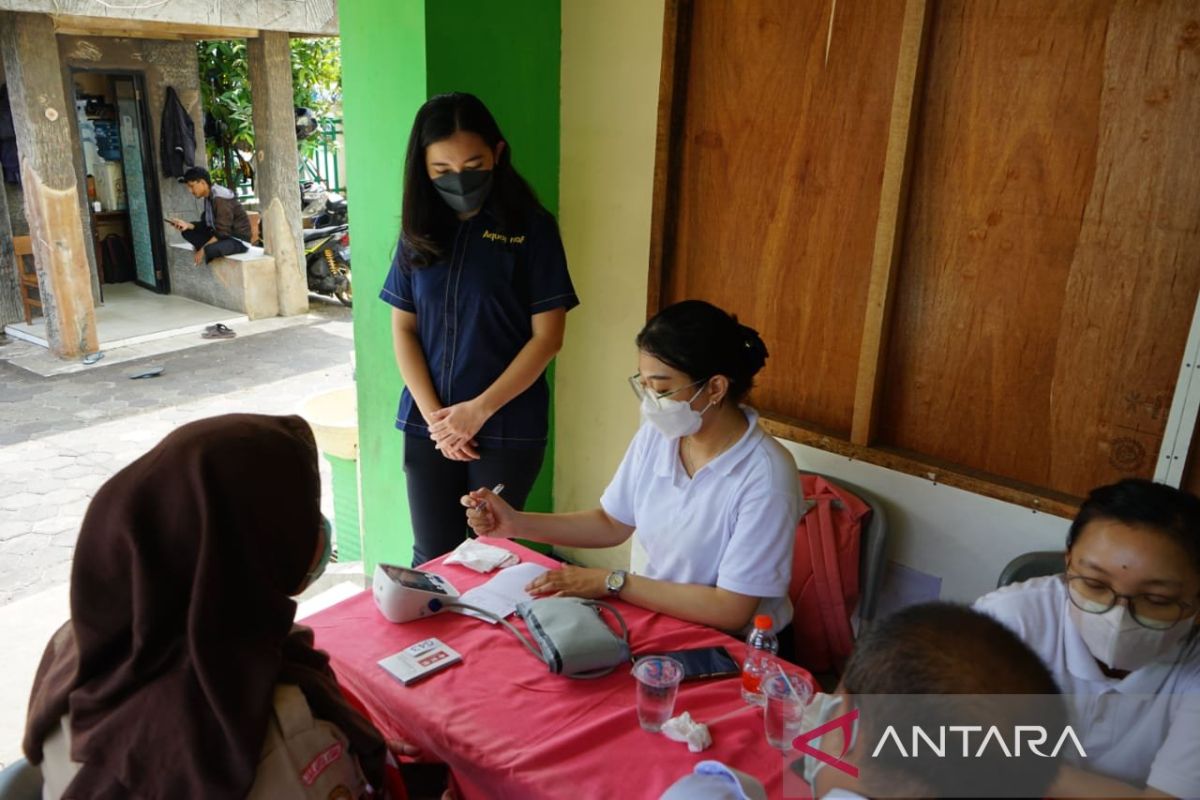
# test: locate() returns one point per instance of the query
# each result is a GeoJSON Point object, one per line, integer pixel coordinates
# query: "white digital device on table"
{"type": "Point", "coordinates": [404, 594]}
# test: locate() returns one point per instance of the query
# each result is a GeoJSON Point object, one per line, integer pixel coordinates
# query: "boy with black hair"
{"type": "Point", "coordinates": [223, 228]}
{"type": "Point", "coordinates": [955, 674]}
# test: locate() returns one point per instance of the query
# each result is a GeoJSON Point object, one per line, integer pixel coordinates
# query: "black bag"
{"type": "Point", "coordinates": [116, 259]}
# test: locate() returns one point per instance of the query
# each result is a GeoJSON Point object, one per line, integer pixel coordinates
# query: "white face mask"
{"type": "Point", "coordinates": [673, 418]}
{"type": "Point", "coordinates": [1119, 642]}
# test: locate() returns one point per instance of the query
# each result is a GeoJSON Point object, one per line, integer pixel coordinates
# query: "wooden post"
{"type": "Point", "coordinates": [11, 309]}
{"type": "Point", "coordinates": [277, 180]}
{"type": "Point", "coordinates": [890, 226]}
{"type": "Point", "coordinates": [42, 116]}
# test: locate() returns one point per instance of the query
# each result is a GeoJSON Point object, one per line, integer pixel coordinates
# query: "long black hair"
{"type": "Point", "coordinates": [701, 340]}
{"type": "Point", "coordinates": [427, 223]}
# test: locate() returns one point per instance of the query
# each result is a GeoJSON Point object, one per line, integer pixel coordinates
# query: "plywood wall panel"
{"type": "Point", "coordinates": [1051, 252]}
{"type": "Point", "coordinates": [784, 132]}
{"type": "Point", "coordinates": [1136, 271]}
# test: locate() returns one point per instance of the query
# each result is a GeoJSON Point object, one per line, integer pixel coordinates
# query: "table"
{"type": "Point", "coordinates": [509, 728]}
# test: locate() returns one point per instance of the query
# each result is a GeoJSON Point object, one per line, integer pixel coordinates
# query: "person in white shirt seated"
{"type": "Point", "coordinates": [1119, 632]}
{"type": "Point", "coordinates": [709, 499]}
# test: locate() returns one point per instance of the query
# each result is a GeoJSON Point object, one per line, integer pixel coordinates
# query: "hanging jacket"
{"type": "Point", "coordinates": [824, 587]}
{"type": "Point", "coordinates": [177, 144]}
{"type": "Point", "coordinates": [9, 162]}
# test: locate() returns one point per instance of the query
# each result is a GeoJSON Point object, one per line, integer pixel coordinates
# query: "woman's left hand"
{"type": "Point", "coordinates": [570, 582]}
{"type": "Point", "coordinates": [457, 423]}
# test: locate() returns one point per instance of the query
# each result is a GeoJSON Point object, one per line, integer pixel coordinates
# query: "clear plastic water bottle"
{"type": "Point", "coordinates": [763, 647]}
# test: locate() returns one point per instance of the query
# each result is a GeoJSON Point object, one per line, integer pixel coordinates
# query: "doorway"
{"type": "Point", "coordinates": [123, 193]}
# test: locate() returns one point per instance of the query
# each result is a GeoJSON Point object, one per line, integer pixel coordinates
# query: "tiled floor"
{"type": "Point", "coordinates": [133, 315]}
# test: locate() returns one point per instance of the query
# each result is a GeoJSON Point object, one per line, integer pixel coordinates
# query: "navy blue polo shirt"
{"type": "Point", "coordinates": [474, 314]}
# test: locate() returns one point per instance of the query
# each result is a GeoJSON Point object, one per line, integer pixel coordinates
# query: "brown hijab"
{"type": "Point", "coordinates": [181, 617]}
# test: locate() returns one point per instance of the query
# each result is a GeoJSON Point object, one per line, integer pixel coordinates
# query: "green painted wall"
{"type": "Point", "coordinates": [509, 60]}
{"type": "Point", "coordinates": [395, 54]}
{"type": "Point", "coordinates": [383, 72]}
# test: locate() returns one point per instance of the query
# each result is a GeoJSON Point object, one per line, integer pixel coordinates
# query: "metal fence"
{"type": "Point", "coordinates": [323, 164]}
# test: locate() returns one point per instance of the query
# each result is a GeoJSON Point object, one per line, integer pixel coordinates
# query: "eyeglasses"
{"type": "Point", "coordinates": [643, 391]}
{"type": "Point", "coordinates": [1148, 610]}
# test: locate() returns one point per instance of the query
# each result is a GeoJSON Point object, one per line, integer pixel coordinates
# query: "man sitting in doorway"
{"type": "Point", "coordinates": [223, 229]}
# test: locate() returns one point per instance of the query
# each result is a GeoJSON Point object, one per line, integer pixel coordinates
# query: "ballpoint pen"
{"type": "Point", "coordinates": [496, 490]}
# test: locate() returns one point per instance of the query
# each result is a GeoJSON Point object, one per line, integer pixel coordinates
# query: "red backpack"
{"type": "Point", "coordinates": [825, 564]}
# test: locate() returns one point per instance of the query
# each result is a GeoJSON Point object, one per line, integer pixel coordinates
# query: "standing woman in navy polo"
{"type": "Point", "coordinates": [480, 291]}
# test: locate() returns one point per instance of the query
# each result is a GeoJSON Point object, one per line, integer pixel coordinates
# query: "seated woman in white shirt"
{"type": "Point", "coordinates": [1119, 632]}
{"type": "Point", "coordinates": [710, 500]}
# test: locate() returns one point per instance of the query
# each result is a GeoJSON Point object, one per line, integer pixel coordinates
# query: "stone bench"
{"type": "Point", "coordinates": [245, 282]}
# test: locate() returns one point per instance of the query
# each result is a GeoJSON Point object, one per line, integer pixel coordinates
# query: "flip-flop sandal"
{"type": "Point", "coordinates": [218, 331]}
{"type": "Point", "coordinates": [92, 358]}
{"type": "Point", "coordinates": [145, 372]}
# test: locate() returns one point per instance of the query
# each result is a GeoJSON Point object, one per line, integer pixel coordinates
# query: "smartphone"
{"type": "Point", "coordinates": [705, 662]}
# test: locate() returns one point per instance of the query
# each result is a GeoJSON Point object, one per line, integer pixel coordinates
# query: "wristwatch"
{"type": "Point", "coordinates": [615, 581]}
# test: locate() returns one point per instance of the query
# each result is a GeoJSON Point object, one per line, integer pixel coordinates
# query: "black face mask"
{"type": "Point", "coordinates": [464, 191]}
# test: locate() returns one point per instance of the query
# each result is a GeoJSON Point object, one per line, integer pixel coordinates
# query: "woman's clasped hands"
{"type": "Point", "coordinates": [453, 429]}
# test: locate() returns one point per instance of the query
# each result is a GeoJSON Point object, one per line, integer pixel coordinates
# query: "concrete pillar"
{"type": "Point", "coordinates": [43, 115]}
{"type": "Point", "coordinates": [277, 181]}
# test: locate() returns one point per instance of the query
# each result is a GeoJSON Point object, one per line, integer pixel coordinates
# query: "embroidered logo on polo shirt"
{"type": "Point", "coordinates": [319, 764]}
{"type": "Point", "coordinates": [492, 236]}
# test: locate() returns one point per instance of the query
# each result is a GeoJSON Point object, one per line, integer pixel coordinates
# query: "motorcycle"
{"type": "Point", "coordinates": [327, 261]}
{"type": "Point", "coordinates": [323, 207]}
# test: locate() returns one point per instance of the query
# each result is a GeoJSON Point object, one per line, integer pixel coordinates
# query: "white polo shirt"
{"type": "Point", "coordinates": [731, 525]}
{"type": "Point", "coordinates": [1143, 729]}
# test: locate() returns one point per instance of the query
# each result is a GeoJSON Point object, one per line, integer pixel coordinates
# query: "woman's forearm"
{"type": "Point", "coordinates": [410, 358]}
{"type": "Point", "coordinates": [530, 362]}
{"type": "Point", "coordinates": [579, 529]}
{"type": "Point", "coordinates": [706, 605]}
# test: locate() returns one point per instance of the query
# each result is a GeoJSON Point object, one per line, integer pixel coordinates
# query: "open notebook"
{"type": "Point", "coordinates": [502, 593]}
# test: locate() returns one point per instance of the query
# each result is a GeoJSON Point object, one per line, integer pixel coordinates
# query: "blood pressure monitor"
{"type": "Point", "coordinates": [404, 594]}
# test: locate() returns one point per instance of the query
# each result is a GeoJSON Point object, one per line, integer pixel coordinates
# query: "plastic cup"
{"type": "Point", "coordinates": [657, 684]}
{"type": "Point", "coordinates": [787, 694]}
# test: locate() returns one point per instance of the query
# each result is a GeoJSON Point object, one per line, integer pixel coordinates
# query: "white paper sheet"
{"type": "Point", "coordinates": [501, 594]}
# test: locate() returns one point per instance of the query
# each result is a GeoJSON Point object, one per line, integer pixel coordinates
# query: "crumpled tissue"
{"type": "Point", "coordinates": [481, 557]}
{"type": "Point", "coordinates": [685, 729]}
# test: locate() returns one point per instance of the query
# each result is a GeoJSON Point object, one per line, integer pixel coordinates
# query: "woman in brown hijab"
{"type": "Point", "coordinates": [162, 683]}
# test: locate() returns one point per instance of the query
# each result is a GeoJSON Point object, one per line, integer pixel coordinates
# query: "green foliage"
{"type": "Point", "coordinates": [226, 97]}
{"type": "Point", "coordinates": [317, 84]}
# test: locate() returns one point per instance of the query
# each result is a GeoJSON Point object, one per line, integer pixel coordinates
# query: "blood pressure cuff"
{"type": "Point", "coordinates": [573, 636]}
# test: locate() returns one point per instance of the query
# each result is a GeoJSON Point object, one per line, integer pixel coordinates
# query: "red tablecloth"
{"type": "Point", "coordinates": [510, 729]}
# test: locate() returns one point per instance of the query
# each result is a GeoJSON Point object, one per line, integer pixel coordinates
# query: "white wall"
{"type": "Point", "coordinates": [963, 538]}
{"type": "Point", "coordinates": [611, 53]}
